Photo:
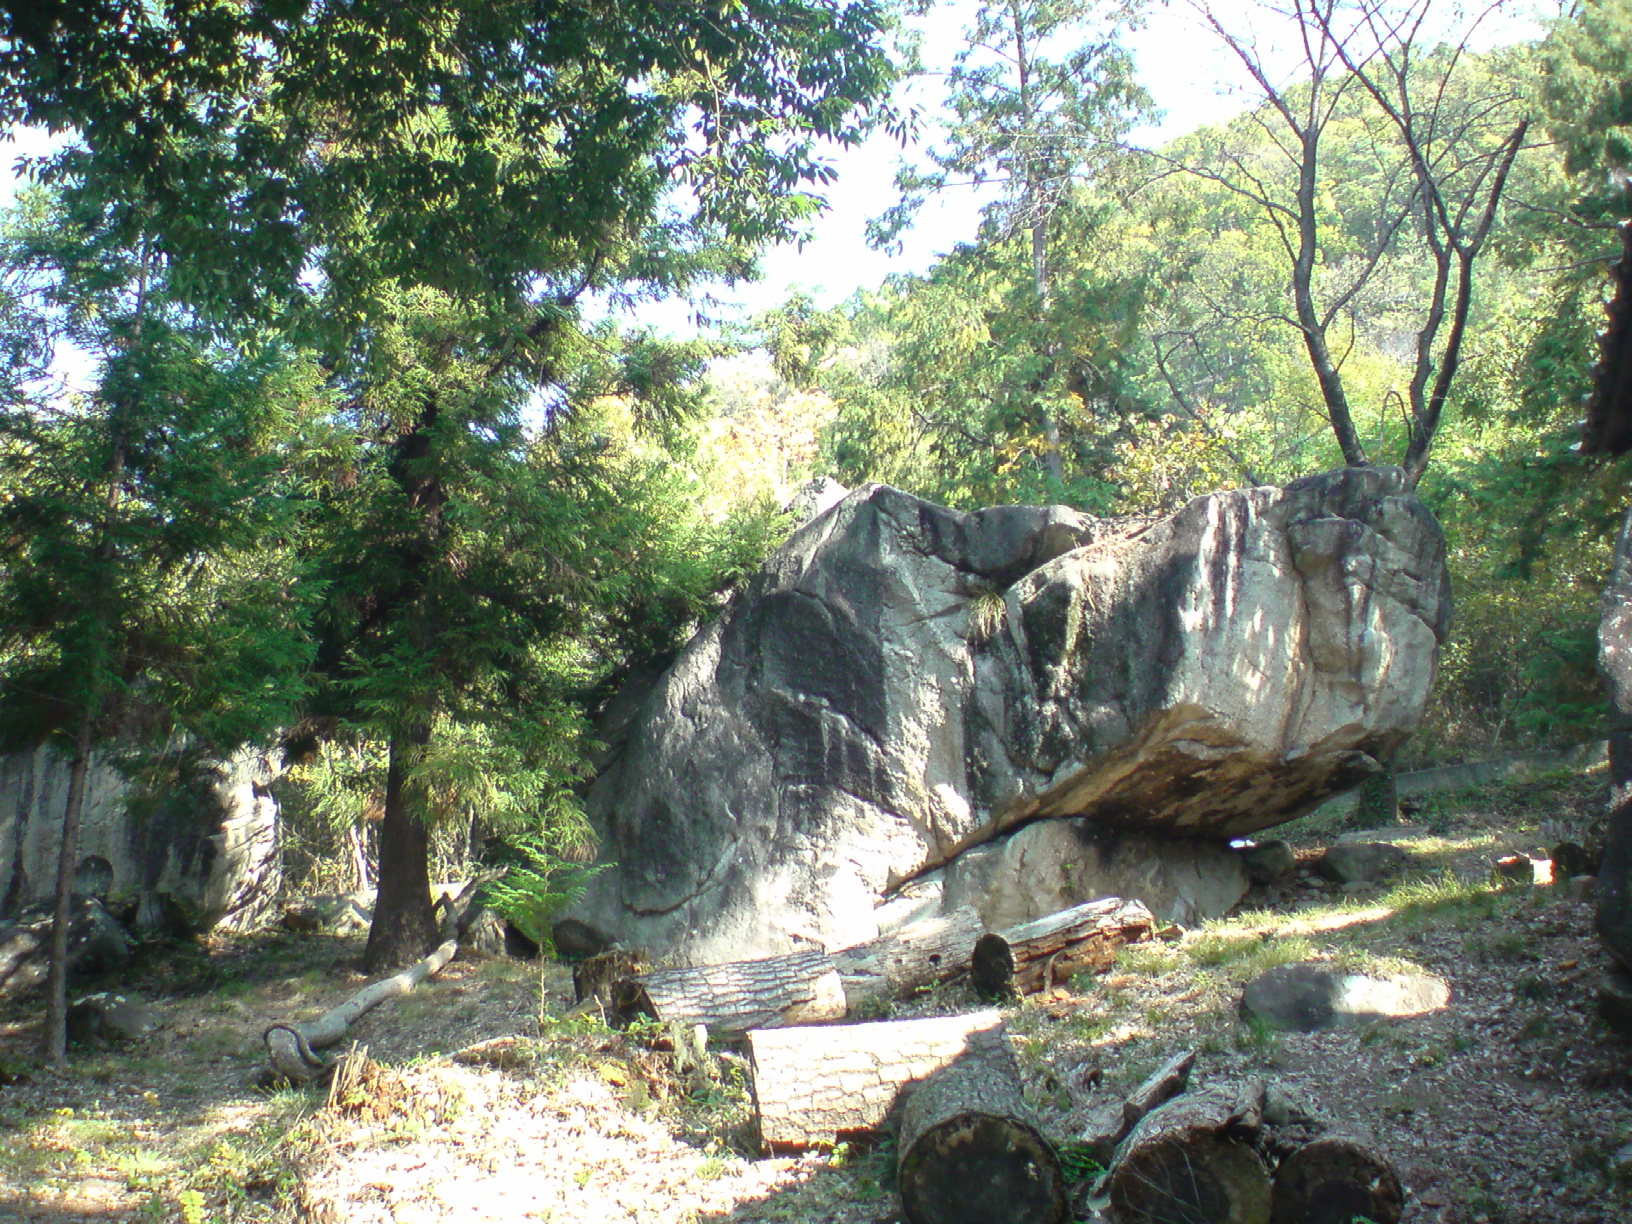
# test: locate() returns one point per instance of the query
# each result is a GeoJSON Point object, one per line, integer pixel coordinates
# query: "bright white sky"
{"type": "Point", "coordinates": [1192, 77]}
{"type": "Point", "coordinates": [1193, 80]}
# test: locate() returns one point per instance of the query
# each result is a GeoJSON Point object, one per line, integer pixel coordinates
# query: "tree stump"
{"type": "Point", "coordinates": [823, 1085]}
{"type": "Point", "coordinates": [1193, 1159]}
{"type": "Point", "coordinates": [970, 1153]}
{"type": "Point", "coordinates": [731, 998]}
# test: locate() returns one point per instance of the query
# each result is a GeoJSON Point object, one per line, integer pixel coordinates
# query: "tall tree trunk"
{"type": "Point", "coordinates": [404, 926]}
{"type": "Point", "coordinates": [56, 982]}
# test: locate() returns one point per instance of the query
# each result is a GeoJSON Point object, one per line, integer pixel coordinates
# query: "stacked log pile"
{"type": "Point", "coordinates": [1248, 1154]}
{"type": "Point", "coordinates": [969, 1148]}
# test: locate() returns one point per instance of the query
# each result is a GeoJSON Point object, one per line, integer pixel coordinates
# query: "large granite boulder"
{"type": "Point", "coordinates": [902, 683]}
{"type": "Point", "coordinates": [206, 846]}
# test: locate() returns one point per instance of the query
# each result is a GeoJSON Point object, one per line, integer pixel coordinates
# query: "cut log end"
{"type": "Point", "coordinates": [970, 1155]}
{"type": "Point", "coordinates": [1183, 1180]}
{"type": "Point", "coordinates": [1334, 1180]}
{"type": "Point", "coordinates": [978, 1169]}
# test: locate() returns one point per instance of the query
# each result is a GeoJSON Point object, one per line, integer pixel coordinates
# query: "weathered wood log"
{"type": "Point", "coordinates": [970, 1152]}
{"type": "Point", "coordinates": [1336, 1179]}
{"type": "Point", "coordinates": [1193, 1158]}
{"type": "Point", "coordinates": [1107, 1127]}
{"type": "Point", "coordinates": [920, 954]}
{"type": "Point", "coordinates": [823, 1085]}
{"type": "Point", "coordinates": [1049, 950]}
{"type": "Point", "coordinates": [292, 1047]}
{"type": "Point", "coordinates": [731, 998]}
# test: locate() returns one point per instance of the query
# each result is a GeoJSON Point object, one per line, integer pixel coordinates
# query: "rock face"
{"type": "Point", "coordinates": [901, 683]}
{"type": "Point", "coordinates": [97, 946]}
{"type": "Point", "coordinates": [209, 845]}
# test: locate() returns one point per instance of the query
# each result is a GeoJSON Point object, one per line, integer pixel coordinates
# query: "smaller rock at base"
{"type": "Point", "coordinates": [1308, 997]}
{"type": "Point", "coordinates": [1362, 862]}
{"type": "Point", "coordinates": [1268, 862]}
{"type": "Point", "coordinates": [1615, 1001]}
{"type": "Point", "coordinates": [111, 1017]}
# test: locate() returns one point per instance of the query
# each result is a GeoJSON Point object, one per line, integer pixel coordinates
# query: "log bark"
{"type": "Point", "coordinates": [920, 954]}
{"type": "Point", "coordinates": [731, 998]}
{"type": "Point", "coordinates": [824, 1085]}
{"type": "Point", "coordinates": [292, 1047]}
{"type": "Point", "coordinates": [1048, 951]}
{"type": "Point", "coordinates": [1336, 1179]}
{"type": "Point", "coordinates": [1193, 1158]}
{"type": "Point", "coordinates": [971, 1154]}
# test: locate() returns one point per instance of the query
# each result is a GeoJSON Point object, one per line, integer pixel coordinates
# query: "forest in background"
{"type": "Point", "coordinates": [362, 466]}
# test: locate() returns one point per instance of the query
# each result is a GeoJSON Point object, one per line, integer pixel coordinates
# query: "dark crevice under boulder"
{"type": "Point", "coordinates": [1097, 705]}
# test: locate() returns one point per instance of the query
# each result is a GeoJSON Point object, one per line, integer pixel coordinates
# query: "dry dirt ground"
{"type": "Point", "coordinates": [1509, 1105]}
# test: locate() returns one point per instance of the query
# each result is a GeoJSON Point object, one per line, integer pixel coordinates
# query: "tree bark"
{"type": "Point", "coordinates": [1336, 1179]}
{"type": "Point", "coordinates": [291, 1047]}
{"type": "Point", "coordinates": [56, 981]}
{"type": "Point", "coordinates": [404, 925]}
{"type": "Point", "coordinates": [920, 954]}
{"type": "Point", "coordinates": [971, 1154]}
{"type": "Point", "coordinates": [1048, 951]}
{"type": "Point", "coordinates": [822, 1085]}
{"type": "Point", "coordinates": [1193, 1158]}
{"type": "Point", "coordinates": [798, 988]}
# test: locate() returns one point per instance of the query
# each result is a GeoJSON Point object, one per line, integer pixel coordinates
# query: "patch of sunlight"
{"type": "Point", "coordinates": [1433, 844]}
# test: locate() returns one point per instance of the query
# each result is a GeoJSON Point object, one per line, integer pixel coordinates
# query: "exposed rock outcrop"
{"type": "Point", "coordinates": [901, 683]}
{"type": "Point", "coordinates": [208, 845]}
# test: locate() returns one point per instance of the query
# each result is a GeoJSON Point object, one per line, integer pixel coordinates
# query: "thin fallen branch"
{"type": "Point", "coordinates": [293, 1048]}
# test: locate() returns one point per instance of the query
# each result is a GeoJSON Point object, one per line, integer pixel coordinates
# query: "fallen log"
{"type": "Point", "coordinates": [731, 998]}
{"type": "Point", "coordinates": [1107, 1127]}
{"type": "Point", "coordinates": [1336, 1179]}
{"type": "Point", "coordinates": [920, 954]}
{"type": "Point", "coordinates": [970, 1152]}
{"type": "Point", "coordinates": [825, 1085]}
{"type": "Point", "coordinates": [1194, 1158]}
{"type": "Point", "coordinates": [1049, 950]}
{"type": "Point", "coordinates": [293, 1047]}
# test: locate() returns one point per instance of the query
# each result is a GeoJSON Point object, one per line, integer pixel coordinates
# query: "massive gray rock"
{"type": "Point", "coordinates": [209, 844]}
{"type": "Point", "coordinates": [902, 683]}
